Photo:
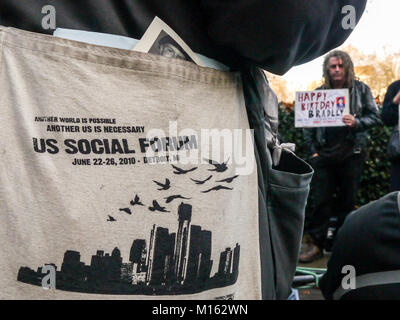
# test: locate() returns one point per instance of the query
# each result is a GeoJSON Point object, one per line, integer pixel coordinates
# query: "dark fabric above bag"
{"type": "Point", "coordinates": [274, 35]}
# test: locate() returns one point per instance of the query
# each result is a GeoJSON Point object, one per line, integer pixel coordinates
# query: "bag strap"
{"type": "Point", "coordinates": [370, 279]}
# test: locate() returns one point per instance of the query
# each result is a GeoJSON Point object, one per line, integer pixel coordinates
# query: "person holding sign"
{"type": "Point", "coordinates": [390, 117]}
{"type": "Point", "coordinates": [337, 153]}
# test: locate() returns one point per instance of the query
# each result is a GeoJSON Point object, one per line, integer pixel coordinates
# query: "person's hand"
{"type": "Point", "coordinates": [396, 99]}
{"type": "Point", "coordinates": [314, 155]}
{"type": "Point", "coordinates": [349, 120]}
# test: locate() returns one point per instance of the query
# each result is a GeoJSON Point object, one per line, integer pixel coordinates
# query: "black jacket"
{"type": "Point", "coordinates": [369, 241]}
{"type": "Point", "coordinates": [390, 111]}
{"type": "Point", "coordinates": [363, 107]}
{"type": "Point", "coordinates": [274, 35]}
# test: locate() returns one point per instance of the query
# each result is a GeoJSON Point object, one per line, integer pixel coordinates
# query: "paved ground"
{"type": "Point", "coordinates": [320, 263]}
{"type": "Point", "coordinates": [310, 294]}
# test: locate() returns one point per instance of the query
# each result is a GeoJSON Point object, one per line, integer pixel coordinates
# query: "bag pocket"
{"type": "Point", "coordinates": [289, 185]}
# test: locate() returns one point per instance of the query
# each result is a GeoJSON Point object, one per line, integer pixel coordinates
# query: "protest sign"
{"type": "Point", "coordinates": [321, 108]}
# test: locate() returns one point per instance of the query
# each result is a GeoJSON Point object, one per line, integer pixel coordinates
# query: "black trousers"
{"type": "Point", "coordinates": [334, 187]}
{"type": "Point", "coordinates": [395, 176]}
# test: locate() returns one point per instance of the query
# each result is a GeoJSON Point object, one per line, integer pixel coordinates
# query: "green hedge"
{"type": "Point", "coordinates": [375, 177]}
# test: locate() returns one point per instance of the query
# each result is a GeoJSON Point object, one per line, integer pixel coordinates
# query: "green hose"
{"type": "Point", "coordinates": [317, 273]}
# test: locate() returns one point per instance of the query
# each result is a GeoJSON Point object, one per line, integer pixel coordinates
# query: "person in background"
{"type": "Point", "coordinates": [390, 117]}
{"type": "Point", "coordinates": [337, 153]}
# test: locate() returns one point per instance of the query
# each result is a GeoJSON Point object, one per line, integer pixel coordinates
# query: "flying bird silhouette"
{"type": "Point", "coordinates": [201, 181]}
{"type": "Point", "coordinates": [164, 186]}
{"type": "Point", "coordinates": [157, 207]}
{"type": "Point", "coordinates": [219, 167]}
{"type": "Point", "coordinates": [136, 201]}
{"type": "Point", "coordinates": [126, 210]}
{"type": "Point", "coordinates": [171, 198]}
{"type": "Point", "coordinates": [228, 180]}
{"type": "Point", "coordinates": [219, 187]}
{"type": "Point", "coordinates": [182, 171]}
{"type": "Point", "coordinates": [111, 219]}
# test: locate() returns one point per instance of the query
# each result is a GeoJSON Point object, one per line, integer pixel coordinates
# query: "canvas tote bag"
{"type": "Point", "coordinates": [92, 204]}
